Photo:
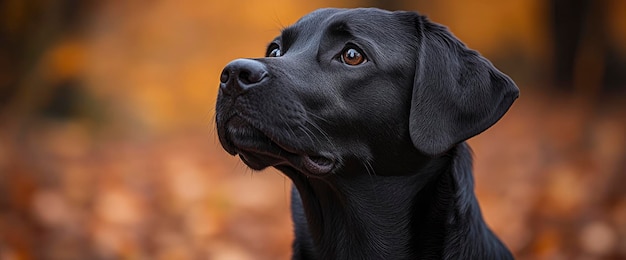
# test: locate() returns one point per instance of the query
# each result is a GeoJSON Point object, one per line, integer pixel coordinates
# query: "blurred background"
{"type": "Point", "coordinates": [108, 148]}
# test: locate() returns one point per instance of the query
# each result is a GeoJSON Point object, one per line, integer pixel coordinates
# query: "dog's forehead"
{"type": "Point", "coordinates": [361, 21]}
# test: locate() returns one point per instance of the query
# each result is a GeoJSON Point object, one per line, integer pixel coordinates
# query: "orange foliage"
{"type": "Point", "coordinates": [142, 175]}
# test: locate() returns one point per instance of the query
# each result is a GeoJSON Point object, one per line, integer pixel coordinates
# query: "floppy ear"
{"type": "Point", "coordinates": [457, 93]}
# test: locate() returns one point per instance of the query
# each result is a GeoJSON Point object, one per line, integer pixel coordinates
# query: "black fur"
{"type": "Point", "coordinates": [376, 151]}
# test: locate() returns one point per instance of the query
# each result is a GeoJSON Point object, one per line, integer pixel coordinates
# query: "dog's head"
{"type": "Point", "coordinates": [368, 88]}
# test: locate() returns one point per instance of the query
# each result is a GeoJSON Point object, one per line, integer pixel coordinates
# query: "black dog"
{"type": "Point", "coordinates": [367, 111]}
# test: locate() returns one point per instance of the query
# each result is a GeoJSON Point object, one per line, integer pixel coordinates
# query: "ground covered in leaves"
{"type": "Point", "coordinates": [108, 148]}
{"type": "Point", "coordinates": [550, 180]}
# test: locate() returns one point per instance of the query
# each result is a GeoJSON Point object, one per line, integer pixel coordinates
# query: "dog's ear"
{"type": "Point", "coordinates": [457, 93]}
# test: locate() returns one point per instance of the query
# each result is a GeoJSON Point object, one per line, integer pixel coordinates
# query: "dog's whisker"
{"type": "Point", "coordinates": [308, 133]}
{"type": "Point", "coordinates": [321, 131]}
{"type": "Point", "coordinates": [318, 117]}
{"type": "Point", "coordinates": [316, 126]}
{"type": "Point", "coordinates": [288, 127]}
{"type": "Point", "coordinates": [370, 170]}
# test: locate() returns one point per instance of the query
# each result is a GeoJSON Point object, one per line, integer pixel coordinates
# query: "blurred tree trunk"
{"type": "Point", "coordinates": [583, 60]}
{"type": "Point", "coordinates": [27, 30]}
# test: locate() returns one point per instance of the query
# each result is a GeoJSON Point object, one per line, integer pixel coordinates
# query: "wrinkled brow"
{"type": "Point", "coordinates": [288, 36]}
{"type": "Point", "coordinates": [340, 28]}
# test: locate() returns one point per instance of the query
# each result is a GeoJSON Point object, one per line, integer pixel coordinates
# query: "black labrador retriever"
{"type": "Point", "coordinates": [367, 111]}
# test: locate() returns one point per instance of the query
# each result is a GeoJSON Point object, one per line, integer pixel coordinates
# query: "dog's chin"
{"type": "Point", "coordinates": [259, 151]}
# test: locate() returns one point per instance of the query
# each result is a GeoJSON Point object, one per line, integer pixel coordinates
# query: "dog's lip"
{"type": "Point", "coordinates": [318, 165]}
{"type": "Point", "coordinates": [314, 165]}
{"type": "Point", "coordinates": [311, 163]}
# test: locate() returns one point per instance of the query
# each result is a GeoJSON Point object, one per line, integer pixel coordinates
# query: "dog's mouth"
{"type": "Point", "coordinates": [259, 150]}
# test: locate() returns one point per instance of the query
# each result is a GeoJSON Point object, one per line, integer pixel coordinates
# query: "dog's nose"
{"type": "Point", "coordinates": [241, 74]}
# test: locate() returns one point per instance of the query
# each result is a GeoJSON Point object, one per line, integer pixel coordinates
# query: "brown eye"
{"type": "Point", "coordinates": [352, 56]}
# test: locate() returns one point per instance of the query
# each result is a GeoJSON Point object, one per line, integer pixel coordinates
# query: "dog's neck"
{"type": "Point", "coordinates": [391, 217]}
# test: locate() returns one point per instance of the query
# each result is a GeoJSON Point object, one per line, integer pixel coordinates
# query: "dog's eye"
{"type": "Point", "coordinates": [274, 51]}
{"type": "Point", "coordinates": [352, 57]}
